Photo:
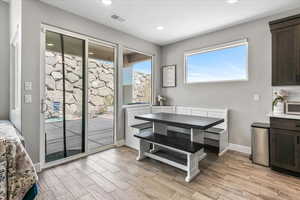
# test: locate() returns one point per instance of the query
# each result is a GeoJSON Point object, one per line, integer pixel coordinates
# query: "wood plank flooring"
{"type": "Point", "coordinates": [116, 175]}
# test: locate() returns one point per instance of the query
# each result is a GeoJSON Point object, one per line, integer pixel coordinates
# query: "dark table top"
{"type": "Point", "coordinates": [179, 120]}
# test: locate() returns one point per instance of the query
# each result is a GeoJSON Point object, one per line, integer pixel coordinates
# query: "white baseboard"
{"type": "Point", "coordinates": [223, 152]}
{"type": "Point", "coordinates": [240, 148]}
{"type": "Point", "coordinates": [37, 167]}
{"type": "Point", "coordinates": [120, 143]}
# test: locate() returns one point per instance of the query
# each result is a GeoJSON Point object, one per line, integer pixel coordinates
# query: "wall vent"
{"type": "Point", "coordinates": [118, 18]}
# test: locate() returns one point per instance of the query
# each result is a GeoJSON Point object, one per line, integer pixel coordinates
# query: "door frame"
{"type": "Point", "coordinates": [115, 76]}
{"type": "Point", "coordinates": [87, 40]}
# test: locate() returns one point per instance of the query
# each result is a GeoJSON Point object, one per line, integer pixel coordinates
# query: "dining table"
{"type": "Point", "coordinates": [174, 139]}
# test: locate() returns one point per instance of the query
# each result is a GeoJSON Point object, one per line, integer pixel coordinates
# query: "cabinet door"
{"type": "Point", "coordinates": [284, 149]}
{"type": "Point", "coordinates": [298, 152]}
{"type": "Point", "coordinates": [286, 56]}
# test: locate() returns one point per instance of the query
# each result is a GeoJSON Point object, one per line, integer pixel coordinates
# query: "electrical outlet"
{"type": "Point", "coordinates": [256, 97]}
{"type": "Point", "coordinates": [28, 86]}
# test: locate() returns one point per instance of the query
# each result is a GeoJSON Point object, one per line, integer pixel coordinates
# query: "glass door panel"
{"type": "Point", "coordinates": [74, 50]}
{"type": "Point", "coordinates": [64, 89]}
{"type": "Point", "coordinates": [54, 117]}
{"type": "Point", "coordinates": [101, 94]}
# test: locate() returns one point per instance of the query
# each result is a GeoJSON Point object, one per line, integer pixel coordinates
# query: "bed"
{"type": "Point", "coordinates": [18, 178]}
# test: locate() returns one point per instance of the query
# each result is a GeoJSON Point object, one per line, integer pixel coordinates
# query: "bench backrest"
{"type": "Point", "coordinates": [197, 111]}
{"type": "Point", "coordinates": [205, 112]}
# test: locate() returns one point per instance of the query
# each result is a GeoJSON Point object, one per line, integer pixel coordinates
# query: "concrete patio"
{"type": "Point", "coordinates": [100, 133]}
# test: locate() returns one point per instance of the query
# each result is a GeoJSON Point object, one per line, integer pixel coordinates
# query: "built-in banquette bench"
{"type": "Point", "coordinates": [216, 137]}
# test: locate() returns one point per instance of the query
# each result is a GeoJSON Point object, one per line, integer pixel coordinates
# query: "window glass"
{"type": "Point", "coordinates": [137, 77]}
{"type": "Point", "coordinates": [228, 63]}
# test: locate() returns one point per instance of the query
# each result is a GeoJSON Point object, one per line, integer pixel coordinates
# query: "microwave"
{"type": "Point", "coordinates": [293, 108]}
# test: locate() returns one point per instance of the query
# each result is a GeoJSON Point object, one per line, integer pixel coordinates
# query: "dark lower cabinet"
{"type": "Point", "coordinates": [284, 149]}
{"type": "Point", "coordinates": [284, 146]}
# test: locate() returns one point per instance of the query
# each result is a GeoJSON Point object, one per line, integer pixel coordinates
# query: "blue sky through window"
{"type": "Point", "coordinates": [143, 67]}
{"type": "Point", "coordinates": [127, 76]}
{"type": "Point", "coordinates": [220, 65]}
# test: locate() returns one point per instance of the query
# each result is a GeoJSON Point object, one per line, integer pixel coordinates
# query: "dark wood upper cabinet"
{"type": "Point", "coordinates": [286, 51]}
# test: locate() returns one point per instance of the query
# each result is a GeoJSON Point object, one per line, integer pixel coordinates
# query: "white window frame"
{"type": "Point", "coordinates": [215, 48]}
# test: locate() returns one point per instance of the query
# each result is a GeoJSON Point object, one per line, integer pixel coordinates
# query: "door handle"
{"type": "Point", "coordinates": [43, 106]}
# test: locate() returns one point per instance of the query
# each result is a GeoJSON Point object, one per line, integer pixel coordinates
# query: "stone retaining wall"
{"type": "Point", "coordinates": [100, 91]}
{"type": "Point", "coordinates": [141, 87]}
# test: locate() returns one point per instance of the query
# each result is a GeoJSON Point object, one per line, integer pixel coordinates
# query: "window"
{"type": "Point", "coordinates": [227, 62]}
{"type": "Point", "coordinates": [137, 77]}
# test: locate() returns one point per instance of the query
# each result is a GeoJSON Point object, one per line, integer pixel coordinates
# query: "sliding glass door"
{"type": "Point", "coordinates": [101, 94]}
{"type": "Point", "coordinates": [78, 95]}
{"type": "Point", "coordinates": [64, 96]}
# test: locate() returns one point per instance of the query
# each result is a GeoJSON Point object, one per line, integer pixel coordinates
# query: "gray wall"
{"type": "Point", "coordinates": [33, 14]}
{"type": "Point", "coordinates": [4, 60]}
{"type": "Point", "coordinates": [237, 96]}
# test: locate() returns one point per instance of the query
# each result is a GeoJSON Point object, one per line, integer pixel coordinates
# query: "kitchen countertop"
{"type": "Point", "coordinates": [285, 116]}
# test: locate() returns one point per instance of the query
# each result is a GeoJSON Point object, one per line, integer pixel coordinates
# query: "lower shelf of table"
{"type": "Point", "coordinates": [175, 140]}
{"type": "Point", "coordinates": [183, 160]}
{"type": "Point", "coordinates": [169, 157]}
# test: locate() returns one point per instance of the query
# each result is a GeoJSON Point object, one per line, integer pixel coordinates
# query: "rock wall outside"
{"type": "Point", "coordinates": [100, 86]}
{"type": "Point", "coordinates": [141, 87]}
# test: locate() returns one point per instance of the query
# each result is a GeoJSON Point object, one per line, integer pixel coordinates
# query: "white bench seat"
{"type": "Point", "coordinates": [215, 130]}
{"type": "Point", "coordinates": [219, 134]}
{"type": "Point", "coordinates": [213, 133]}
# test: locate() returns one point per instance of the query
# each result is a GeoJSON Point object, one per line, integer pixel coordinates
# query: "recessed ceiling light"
{"type": "Point", "coordinates": [160, 28]}
{"type": "Point", "coordinates": [107, 2]}
{"type": "Point", "coordinates": [232, 1]}
{"type": "Point", "coordinates": [50, 44]}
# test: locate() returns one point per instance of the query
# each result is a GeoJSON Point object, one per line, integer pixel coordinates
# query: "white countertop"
{"type": "Point", "coordinates": [286, 116]}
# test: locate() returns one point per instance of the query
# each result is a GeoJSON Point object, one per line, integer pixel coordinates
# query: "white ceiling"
{"type": "Point", "coordinates": [181, 18]}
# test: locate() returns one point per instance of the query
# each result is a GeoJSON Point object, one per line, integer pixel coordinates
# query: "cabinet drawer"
{"type": "Point", "coordinates": [287, 124]}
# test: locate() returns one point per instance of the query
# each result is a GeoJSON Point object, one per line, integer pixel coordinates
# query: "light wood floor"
{"type": "Point", "coordinates": [116, 175]}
